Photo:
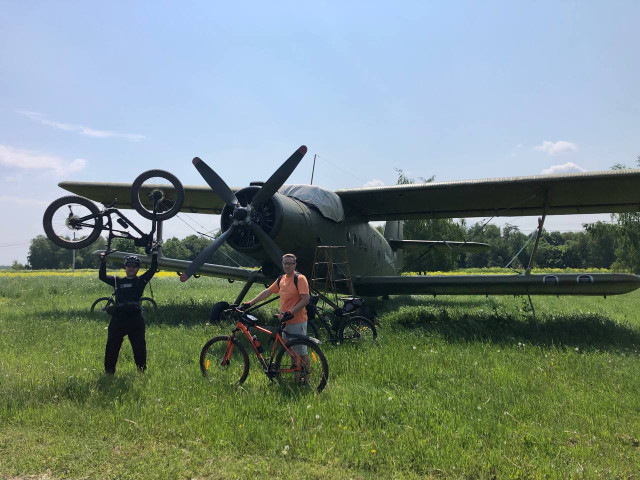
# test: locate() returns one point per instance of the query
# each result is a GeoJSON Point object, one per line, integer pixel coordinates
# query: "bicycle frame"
{"type": "Point", "coordinates": [144, 240]}
{"type": "Point", "coordinates": [278, 340]}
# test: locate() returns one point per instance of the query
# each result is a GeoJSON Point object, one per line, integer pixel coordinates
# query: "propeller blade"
{"type": "Point", "coordinates": [215, 182]}
{"type": "Point", "coordinates": [205, 254]}
{"type": "Point", "coordinates": [280, 176]}
{"type": "Point", "coordinates": [274, 252]}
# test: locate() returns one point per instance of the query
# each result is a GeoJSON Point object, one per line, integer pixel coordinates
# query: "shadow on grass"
{"type": "Point", "coordinates": [172, 314]}
{"type": "Point", "coordinates": [584, 330]}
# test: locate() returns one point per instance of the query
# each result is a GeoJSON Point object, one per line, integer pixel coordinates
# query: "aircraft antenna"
{"type": "Point", "coordinates": [314, 167]}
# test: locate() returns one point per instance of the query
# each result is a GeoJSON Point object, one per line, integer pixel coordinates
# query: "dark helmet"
{"type": "Point", "coordinates": [132, 260]}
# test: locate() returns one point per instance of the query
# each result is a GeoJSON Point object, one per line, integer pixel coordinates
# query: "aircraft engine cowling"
{"type": "Point", "coordinates": [281, 217]}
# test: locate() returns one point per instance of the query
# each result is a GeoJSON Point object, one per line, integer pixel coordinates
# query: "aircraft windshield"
{"type": "Point", "coordinates": [327, 202]}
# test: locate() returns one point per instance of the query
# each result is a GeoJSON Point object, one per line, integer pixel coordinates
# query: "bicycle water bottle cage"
{"type": "Point", "coordinates": [122, 223]}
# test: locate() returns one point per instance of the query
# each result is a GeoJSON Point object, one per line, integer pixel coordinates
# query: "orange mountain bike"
{"type": "Point", "coordinates": [224, 359]}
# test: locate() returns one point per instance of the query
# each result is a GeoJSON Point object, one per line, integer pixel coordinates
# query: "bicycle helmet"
{"type": "Point", "coordinates": [132, 260]}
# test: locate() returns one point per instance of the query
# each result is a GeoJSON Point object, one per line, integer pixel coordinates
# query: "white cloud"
{"type": "Point", "coordinates": [374, 183]}
{"type": "Point", "coordinates": [557, 148]}
{"type": "Point", "coordinates": [81, 129]}
{"type": "Point", "coordinates": [22, 201]}
{"type": "Point", "coordinates": [568, 167]}
{"type": "Point", "coordinates": [29, 160]}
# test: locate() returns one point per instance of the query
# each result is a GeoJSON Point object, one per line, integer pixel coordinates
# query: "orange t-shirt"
{"type": "Point", "coordinates": [290, 295]}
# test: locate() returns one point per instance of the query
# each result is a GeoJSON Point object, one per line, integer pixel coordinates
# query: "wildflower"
{"type": "Point", "coordinates": [373, 450]}
{"type": "Point", "coordinates": [317, 417]}
{"type": "Point", "coordinates": [390, 398]}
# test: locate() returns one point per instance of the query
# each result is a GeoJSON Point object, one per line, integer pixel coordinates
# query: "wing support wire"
{"type": "Point", "coordinates": [541, 220]}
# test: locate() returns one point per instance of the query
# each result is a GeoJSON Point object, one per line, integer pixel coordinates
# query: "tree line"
{"type": "Point", "coordinates": [599, 245]}
{"type": "Point", "coordinates": [44, 254]}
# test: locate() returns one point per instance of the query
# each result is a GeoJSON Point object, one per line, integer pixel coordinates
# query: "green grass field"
{"type": "Point", "coordinates": [455, 387]}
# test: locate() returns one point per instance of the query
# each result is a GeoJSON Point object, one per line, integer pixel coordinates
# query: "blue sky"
{"type": "Point", "coordinates": [103, 91]}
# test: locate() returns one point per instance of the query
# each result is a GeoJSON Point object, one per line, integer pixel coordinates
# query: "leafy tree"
{"type": "Point", "coordinates": [175, 248]}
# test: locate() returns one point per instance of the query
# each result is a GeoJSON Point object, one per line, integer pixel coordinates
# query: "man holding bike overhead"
{"type": "Point", "coordinates": [127, 313]}
{"type": "Point", "coordinates": [294, 297]}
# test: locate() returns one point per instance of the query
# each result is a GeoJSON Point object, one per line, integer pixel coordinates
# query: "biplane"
{"type": "Point", "coordinates": [265, 219]}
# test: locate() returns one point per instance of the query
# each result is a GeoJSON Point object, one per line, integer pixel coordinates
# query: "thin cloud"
{"type": "Point", "coordinates": [568, 167]}
{"type": "Point", "coordinates": [81, 129]}
{"type": "Point", "coordinates": [374, 183]}
{"type": "Point", "coordinates": [29, 160]}
{"type": "Point", "coordinates": [557, 148]}
{"type": "Point", "coordinates": [22, 201]}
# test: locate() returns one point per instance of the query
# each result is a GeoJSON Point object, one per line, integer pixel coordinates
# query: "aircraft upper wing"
{"type": "Point", "coordinates": [589, 192]}
{"type": "Point", "coordinates": [197, 199]}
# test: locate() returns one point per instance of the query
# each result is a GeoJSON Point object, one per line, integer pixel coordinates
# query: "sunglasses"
{"type": "Point", "coordinates": [288, 263]}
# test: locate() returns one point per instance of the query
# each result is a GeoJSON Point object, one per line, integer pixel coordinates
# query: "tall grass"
{"type": "Point", "coordinates": [455, 387]}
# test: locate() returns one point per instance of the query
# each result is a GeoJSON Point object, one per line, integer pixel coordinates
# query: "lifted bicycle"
{"type": "Point", "coordinates": [75, 222]}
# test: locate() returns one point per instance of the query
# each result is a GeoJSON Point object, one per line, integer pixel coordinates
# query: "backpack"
{"type": "Point", "coordinates": [311, 307]}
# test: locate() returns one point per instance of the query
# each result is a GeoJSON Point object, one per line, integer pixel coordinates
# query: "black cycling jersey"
{"type": "Point", "coordinates": [129, 290]}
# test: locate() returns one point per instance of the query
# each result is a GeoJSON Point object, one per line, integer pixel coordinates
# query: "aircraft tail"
{"type": "Point", "coordinates": [393, 231]}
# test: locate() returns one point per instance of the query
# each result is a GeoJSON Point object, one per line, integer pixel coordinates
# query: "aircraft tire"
{"type": "Point", "coordinates": [56, 226]}
{"type": "Point", "coordinates": [177, 201]}
{"type": "Point", "coordinates": [216, 311]}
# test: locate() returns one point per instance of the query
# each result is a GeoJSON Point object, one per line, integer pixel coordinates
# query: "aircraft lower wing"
{"type": "Point", "coordinates": [540, 284]}
{"type": "Point", "coordinates": [551, 284]}
{"type": "Point", "coordinates": [439, 246]}
{"type": "Point", "coordinates": [589, 192]}
{"type": "Point", "coordinates": [209, 269]}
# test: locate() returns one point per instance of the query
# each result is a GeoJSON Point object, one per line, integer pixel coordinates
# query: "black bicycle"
{"type": "Point", "coordinates": [75, 222]}
{"type": "Point", "coordinates": [342, 324]}
{"type": "Point", "coordinates": [102, 304]}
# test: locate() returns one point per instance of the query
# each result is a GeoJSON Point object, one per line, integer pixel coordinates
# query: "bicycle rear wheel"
{"type": "Point", "coordinates": [161, 185]}
{"type": "Point", "coordinates": [314, 375]}
{"type": "Point", "coordinates": [224, 360]}
{"type": "Point", "coordinates": [100, 304]}
{"type": "Point", "coordinates": [72, 222]}
{"type": "Point", "coordinates": [357, 330]}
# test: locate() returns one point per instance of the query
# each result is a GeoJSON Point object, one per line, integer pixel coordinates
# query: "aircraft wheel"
{"type": "Point", "coordinates": [217, 310]}
{"type": "Point", "coordinates": [72, 222]}
{"type": "Point", "coordinates": [162, 184]}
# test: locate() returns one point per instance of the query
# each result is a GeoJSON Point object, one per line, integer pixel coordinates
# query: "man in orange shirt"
{"type": "Point", "coordinates": [293, 299]}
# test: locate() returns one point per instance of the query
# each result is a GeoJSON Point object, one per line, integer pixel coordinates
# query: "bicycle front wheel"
{"type": "Point", "coordinates": [72, 222]}
{"type": "Point", "coordinates": [357, 330]}
{"type": "Point", "coordinates": [310, 370]}
{"type": "Point", "coordinates": [161, 186]}
{"type": "Point", "coordinates": [149, 304]}
{"type": "Point", "coordinates": [224, 360]}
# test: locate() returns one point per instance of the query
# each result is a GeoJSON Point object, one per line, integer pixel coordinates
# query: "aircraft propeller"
{"type": "Point", "coordinates": [243, 215]}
